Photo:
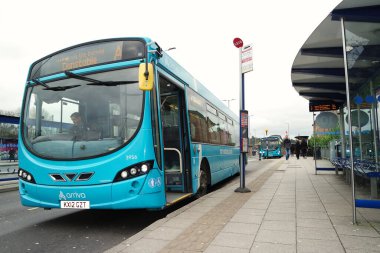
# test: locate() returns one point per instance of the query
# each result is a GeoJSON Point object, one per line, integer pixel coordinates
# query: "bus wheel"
{"type": "Point", "coordinates": [203, 182]}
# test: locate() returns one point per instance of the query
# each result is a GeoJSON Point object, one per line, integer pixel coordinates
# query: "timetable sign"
{"type": "Point", "coordinates": [320, 107]}
{"type": "Point", "coordinates": [246, 59]}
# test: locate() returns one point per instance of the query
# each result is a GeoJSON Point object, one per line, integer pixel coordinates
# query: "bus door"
{"type": "Point", "coordinates": [174, 130]}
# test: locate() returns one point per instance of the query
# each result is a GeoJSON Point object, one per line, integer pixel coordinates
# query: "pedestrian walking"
{"type": "Point", "coordinates": [12, 154]}
{"type": "Point", "coordinates": [298, 149]}
{"type": "Point", "coordinates": [304, 148]}
{"type": "Point", "coordinates": [287, 146]}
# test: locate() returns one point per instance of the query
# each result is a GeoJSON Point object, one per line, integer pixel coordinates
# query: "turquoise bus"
{"type": "Point", "coordinates": [271, 147]}
{"type": "Point", "coordinates": [149, 135]}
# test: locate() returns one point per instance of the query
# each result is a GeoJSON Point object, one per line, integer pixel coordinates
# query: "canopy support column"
{"type": "Point", "coordinates": [349, 121]}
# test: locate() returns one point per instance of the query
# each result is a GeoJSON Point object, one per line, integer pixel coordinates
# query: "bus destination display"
{"type": "Point", "coordinates": [88, 55]}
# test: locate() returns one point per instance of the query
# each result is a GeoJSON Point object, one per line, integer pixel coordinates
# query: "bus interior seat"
{"type": "Point", "coordinates": [204, 131]}
{"type": "Point", "coordinates": [196, 129]}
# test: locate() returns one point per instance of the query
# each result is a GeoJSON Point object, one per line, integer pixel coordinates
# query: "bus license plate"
{"type": "Point", "coordinates": [75, 204]}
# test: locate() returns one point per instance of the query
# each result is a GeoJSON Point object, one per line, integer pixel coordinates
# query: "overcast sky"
{"type": "Point", "coordinates": [202, 32]}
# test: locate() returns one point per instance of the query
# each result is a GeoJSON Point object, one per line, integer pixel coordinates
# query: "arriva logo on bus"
{"type": "Point", "coordinates": [71, 195]}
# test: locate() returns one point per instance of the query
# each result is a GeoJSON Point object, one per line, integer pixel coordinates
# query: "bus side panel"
{"type": "Point", "coordinates": [223, 162]}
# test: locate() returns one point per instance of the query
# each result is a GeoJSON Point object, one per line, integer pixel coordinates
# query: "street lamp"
{"type": "Point", "coordinates": [228, 101]}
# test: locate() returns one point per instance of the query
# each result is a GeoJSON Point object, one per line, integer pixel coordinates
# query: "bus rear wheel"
{"type": "Point", "coordinates": [203, 182]}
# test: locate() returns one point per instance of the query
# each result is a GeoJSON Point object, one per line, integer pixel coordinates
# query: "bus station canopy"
{"type": "Point", "coordinates": [318, 70]}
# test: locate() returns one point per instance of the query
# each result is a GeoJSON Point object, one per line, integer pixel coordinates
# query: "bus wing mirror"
{"type": "Point", "coordinates": [146, 76]}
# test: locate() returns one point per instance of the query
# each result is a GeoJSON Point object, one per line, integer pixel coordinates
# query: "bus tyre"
{"type": "Point", "coordinates": [203, 183]}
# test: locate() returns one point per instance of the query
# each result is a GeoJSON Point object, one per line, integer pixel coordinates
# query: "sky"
{"type": "Point", "coordinates": [201, 31]}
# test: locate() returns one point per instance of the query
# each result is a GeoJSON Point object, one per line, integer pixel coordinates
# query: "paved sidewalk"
{"type": "Point", "coordinates": [290, 209]}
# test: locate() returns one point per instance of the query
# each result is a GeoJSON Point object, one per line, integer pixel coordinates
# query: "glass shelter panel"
{"type": "Point", "coordinates": [327, 141]}
{"type": "Point", "coordinates": [363, 61]}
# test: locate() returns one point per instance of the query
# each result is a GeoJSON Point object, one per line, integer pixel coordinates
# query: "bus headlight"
{"type": "Point", "coordinates": [25, 176]}
{"type": "Point", "coordinates": [124, 174]}
{"type": "Point", "coordinates": [144, 168]}
{"type": "Point", "coordinates": [134, 170]}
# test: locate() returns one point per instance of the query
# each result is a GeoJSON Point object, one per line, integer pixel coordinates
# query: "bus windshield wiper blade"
{"type": "Point", "coordinates": [61, 88]}
{"type": "Point", "coordinates": [79, 77]}
{"type": "Point", "coordinates": [36, 81]}
{"type": "Point", "coordinates": [47, 87]}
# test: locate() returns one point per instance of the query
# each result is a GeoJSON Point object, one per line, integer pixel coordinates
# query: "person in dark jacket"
{"type": "Point", "coordinates": [287, 146]}
{"type": "Point", "coordinates": [79, 129]}
{"type": "Point", "coordinates": [298, 149]}
{"type": "Point", "coordinates": [304, 148]}
{"type": "Point", "coordinates": [12, 155]}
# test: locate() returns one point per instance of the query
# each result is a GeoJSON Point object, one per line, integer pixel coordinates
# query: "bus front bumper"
{"type": "Point", "coordinates": [121, 195]}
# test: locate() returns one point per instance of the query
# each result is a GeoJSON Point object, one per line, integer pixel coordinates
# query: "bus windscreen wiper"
{"type": "Point", "coordinates": [61, 88]}
{"type": "Point", "coordinates": [97, 82]}
{"type": "Point", "coordinates": [36, 81]}
{"type": "Point", "coordinates": [47, 87]}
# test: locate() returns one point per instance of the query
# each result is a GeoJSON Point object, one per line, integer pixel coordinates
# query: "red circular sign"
{"type": "Point", "coordinates": [238, 42]}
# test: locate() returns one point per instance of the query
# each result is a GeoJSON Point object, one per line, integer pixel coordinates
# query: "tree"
{"type": "Point", "coordinates": [15, 113]}
{"type": "Point", "coordinates": [9, 131]}
{"type": "Point", "coordinates": [322, 140]}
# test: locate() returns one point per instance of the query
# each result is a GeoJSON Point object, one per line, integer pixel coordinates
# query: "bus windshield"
{"type": "Point", "coordinates": [271, 143]}
{"type": "Point", "coordinates": [82, 116]}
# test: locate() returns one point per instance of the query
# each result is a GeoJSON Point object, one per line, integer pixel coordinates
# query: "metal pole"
{"type": "Point", "coordinates": [241, 81]}
{"type": "Point", "coordinates": [242, 188]}
{"type": "Point", "coordinates": [360, 134]}
{"type": "Point", "coordinates": [267, 142]}
{"type": "Point", "coordinates": [242, 178]}
{"type": "Point", "coordinates": [60, 125]}
{"type": "Point", "coordinates": [373, 125]}
{"type": "Point", "coordinates": [342, 132]}
{"type": "Point", "coordinates": [349, 121]}
{"type": "Point", "coordinates": [315, 155]}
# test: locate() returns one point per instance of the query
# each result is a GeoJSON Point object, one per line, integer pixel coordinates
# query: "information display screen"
{"type": "Point", "coordinates": [319, 107]}
{"type": "Point", "coordinates": [88, 55]}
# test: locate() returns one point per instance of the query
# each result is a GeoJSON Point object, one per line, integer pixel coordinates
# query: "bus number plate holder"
{"type": "Point", "coordinates": [75, 204]}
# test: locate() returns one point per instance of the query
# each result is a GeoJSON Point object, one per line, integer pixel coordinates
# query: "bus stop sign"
{"type": "Point", "coordinates": [238, 42]}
